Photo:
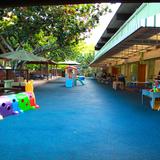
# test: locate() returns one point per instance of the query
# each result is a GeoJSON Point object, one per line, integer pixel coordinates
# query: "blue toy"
{"type": "Point", "coordinates": [81, 79]}
{"type": "Point", "coordinates": [70, 75]}
{"type": "Point", "coordinates": [15, 104]}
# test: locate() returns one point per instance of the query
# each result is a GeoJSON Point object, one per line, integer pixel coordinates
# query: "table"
{"type": "Point", "coordinates": [139, 85]}
{"type": "Point", "coordinates": [8, 83]}
{"type": "Point", "coordinates": [4, 91]}
{"type": "Point", "coordinates": [135, 83]}
{"type": "Point", "coordinates": [118, 83]}
{"type": "Point", "coordinates": [152, 95]}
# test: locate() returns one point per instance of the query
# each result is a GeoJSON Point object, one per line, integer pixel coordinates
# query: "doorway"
{"type": "Point", "coordinates": [141, 72]}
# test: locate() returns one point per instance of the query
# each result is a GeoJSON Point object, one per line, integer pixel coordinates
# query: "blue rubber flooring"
{"type": "Point", "coordinates": [91, 122]}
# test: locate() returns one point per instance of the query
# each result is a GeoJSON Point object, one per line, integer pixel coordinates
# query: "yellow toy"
{"type": "Point", "coordinates": [29, 89]}
{"type": "Point", "coordinates": [29, 86]}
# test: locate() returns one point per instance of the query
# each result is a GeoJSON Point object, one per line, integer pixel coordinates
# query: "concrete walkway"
{"type": "Point", "coordinates": [90, 122]}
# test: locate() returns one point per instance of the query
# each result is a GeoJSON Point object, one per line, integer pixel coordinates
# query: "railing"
{"type": "Point", "coordinates": [6, 74]}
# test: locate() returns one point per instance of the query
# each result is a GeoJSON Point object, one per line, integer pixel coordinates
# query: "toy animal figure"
{"type": "Point", "coordinates": [14, 102]}
{"type": "Point", "coordinates": [32, 99]}
{"type": "Point", "coordinates": [24, 102]}
{"type": "Point", "coordinates": [29, 88]}
{"type": "Point", "coordinates": [6, 107]}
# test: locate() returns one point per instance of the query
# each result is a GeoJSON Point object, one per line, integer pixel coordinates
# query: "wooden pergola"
{"type": "Point", "coordinates": [46, 63]}
{"type": "Point", "coordinates": [29, 58]}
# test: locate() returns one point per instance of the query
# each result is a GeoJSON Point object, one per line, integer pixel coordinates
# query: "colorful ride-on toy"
{"type": "Point", "coordinates": [6, 107]}
{"type": "Point", "coordinates": [32, 99]}
{"type": "Point", "coordinates": [14, 102]}
{"type": "Point", "coordinates": [24, 102]}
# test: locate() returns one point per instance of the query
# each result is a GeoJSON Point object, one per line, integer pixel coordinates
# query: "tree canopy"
{"type": "Point", "coordinates": [52, 31]}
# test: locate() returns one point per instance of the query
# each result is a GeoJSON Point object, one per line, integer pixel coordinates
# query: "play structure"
{"type": "Point", "coordinates": [30, 92]}
{"type": "Point", "coordinates": [80, 79]}
{"type": "Point", "coordinates": [154, 94]}
{"type": "Point", "coordinates": [71, 75]}
{"type": "Point", "coordinates": [17, 103]}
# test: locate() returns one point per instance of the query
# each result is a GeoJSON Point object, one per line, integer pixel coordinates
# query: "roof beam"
{"type": "Point", "coordinates": [97, 48]}
{"type": "Point", "coordinates": [100, 44]}
{"type": "Point", "coordinates": [112, 30]}
{"type": "Point", "coordinates": [144, 41]}
{"type": "Point", "coordinates": [105, 38]}
{"type": "Point", "coordinates": [118, 57]}
{"type": "Point", "coordinates": [122, 16]}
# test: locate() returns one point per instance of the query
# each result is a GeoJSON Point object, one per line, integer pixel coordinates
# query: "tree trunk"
{"type": "Point", "coordinates": [2, 48]}
{"type": "Point", "coordinates": [6, 44]}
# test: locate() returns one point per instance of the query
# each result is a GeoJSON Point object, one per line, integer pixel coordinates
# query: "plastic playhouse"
{"type": "Point", "coordinates": [71, 76]}
{"type": "Point", "coordinates": [17, 103]}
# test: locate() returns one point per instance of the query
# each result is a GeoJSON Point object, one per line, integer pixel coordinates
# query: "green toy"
{"type": "Point", "coordinates": [154, 87]}
{"type": "Point", "coordinates": [24, 102]}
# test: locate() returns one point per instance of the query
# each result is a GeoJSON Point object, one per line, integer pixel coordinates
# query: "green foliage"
{"type": "Point", "coordinates": [85, 58]}
{"type": "Point", "coordinates": [33, 67]}
{"type": "Point", "coordinates": [52, 31]}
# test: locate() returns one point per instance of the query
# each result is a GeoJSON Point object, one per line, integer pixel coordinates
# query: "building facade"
{"type": "Point", "coordinates": [134, 48]}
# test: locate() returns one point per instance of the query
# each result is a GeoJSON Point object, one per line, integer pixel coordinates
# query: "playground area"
{"type": "Point", "coordinates": [65, 98]}
{"type": "Point", "coordinates": [93, 123]}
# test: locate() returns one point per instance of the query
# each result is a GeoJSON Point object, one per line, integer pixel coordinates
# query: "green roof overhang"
{"type": "Point", "coordinates": [146, 16]}
{"type": "Point", "coordinates": [22, 55]}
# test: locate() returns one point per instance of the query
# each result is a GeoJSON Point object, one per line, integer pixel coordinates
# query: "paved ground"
{"type": "Point", "coordinates": [91, 122]}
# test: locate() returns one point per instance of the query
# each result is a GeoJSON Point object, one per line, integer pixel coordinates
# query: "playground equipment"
{"type": "Point", "coordinates": [6, 108]}
{"type": "Point", "coordinates": [30, 93]}
{"type": "Point", "coordinates": [29, 86]}
{"type": "Point", "coordinates": [72, 78]}
{"type": "Point", "coordinates": [24, 102]}
{"type": "Point", "coordinates": [17, 103]}
{"type": "Point", "coordinates": [70, 75]}
{"type": "Point", "coordinates": [14, 102]}
{"type": "Point", "coordinates": [81, 79]}
{"type": "Point", "coordinates": [154, 94]}
{"type": "Point", "coordinates": [32, 99]}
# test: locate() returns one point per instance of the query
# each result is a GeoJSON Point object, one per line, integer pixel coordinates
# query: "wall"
{"type": "Point", "coordinates": [157, 67]}
{"type": "Point", "coordinates": [150, 65]}
{"type": "Point", "coordinates": [134, 71]}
